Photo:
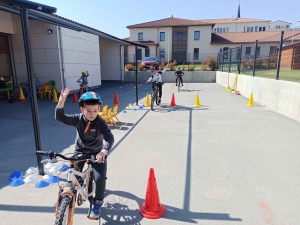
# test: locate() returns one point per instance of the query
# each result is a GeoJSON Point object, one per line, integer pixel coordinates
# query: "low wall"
{"type": "Point", "coordinates": [168, 77]}
{"type": "Point", "coordinates": [280, 96]}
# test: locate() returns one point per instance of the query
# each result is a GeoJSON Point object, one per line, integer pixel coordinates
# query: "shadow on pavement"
{"type": "Point", "coordinates": [123, 208]}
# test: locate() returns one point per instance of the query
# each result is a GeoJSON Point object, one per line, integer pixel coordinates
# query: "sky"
{"type": "Point", "coordinates": [113, 16]}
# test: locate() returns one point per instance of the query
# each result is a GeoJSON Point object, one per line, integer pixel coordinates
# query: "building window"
{"type": "Point", "coordinates": [248, 29]}
{"type": "Point", "coordinates": [287, 26]}
{"type": "Point", "coordinates": [225, 53]}
{"type": "Point", "coordinates": [218, 30]}
{"type": "Point", "coordinates": [251, 29]}
{"type": "Point", "coordinates": [277, 27]}
{"type": "Point", "coordinates": [238, 53]}
{"type": "Point", "coordinates": [264, 28]}
{"type": "Point", "coordinates": [179, 35]}
{"type": "Point", "coordinates": [139, 54]}
{"type": "Point", "coordinates": [147, 52]}
{"type": "Point", "coordinates": [196, 54]}
{"type": "Point", "coordinates": [272, 52]}
{"type": "Point", "coordinates": [140, 36]}
{"type": "Point", "coordinates": [227, 29]}
{"type": "Point", "coordinates": [224, 30]}
{"type": "Point", "coordinates": [260, 29]}
{"type": "Point", "coordinates": [215, 30]}
{"type": "Point", "coordinates": [256, 27]}
{"type": "Point", "coordinates": [162, 55]}
{"type": "Point", "coordinates": [257, 51]}
{"type": "Point", "coordinates": [197, 35]}
{"type": "Point", "coordinates": [247, 52]}
{"type": "Point", "coordinates": [162, 36]}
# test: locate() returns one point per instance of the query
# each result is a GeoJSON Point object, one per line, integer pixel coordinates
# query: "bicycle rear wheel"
{"type": "Point", "coordinates": [62, 217]}
{"type": "Point", "coordinates": [178, 84]}
{"type": "Point", "coordinates": [153, 94]}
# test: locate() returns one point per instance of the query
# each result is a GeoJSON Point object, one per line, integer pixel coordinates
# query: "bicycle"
{"type": "Point", "coordinates": [82, 88]}
{"type": "Point", "coordinates": [155, 94]}
{"type": "Point", "coordinates": [82, 184]}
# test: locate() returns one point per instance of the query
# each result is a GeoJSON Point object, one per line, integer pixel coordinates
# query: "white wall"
{"type": "Point", "coordinates": [239, 27]}
{"type": "Point", "coordinates": [282, 25]}
{"type": "Point", "coordinates": [6, 25]}
{"type": "Point", "coordinates": [45, 53]}
{"type": "Point", "coordinates": [80, 52]}
{"type": "Point", "coordinates": [110, 54]}
{"type": "Point", "coordinates": [279, 96]}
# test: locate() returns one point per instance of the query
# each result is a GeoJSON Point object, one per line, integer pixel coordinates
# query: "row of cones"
{"type": "Point", "coordinates": [116, 98]}
{"type": "Point", "coordinates": [197, 101]}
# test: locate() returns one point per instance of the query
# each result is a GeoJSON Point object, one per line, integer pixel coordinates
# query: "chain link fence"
{"type": "Point", "coordinates": [279, 59]}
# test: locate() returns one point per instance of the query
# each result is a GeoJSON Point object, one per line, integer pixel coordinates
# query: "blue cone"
{"type": "Point", "coordinates": [124, 111]}
{"type": "Point", "coordinates": [63, 168]}
{"type": "Point", "coordinates": [141, 106]}
{"type": "Point", "coordinates": [134, 109]}
{"type": "Point", "coordinates": [42, 184]}
{"type": "Point", "coordinates": [54, 179]}
{"type": "Point", "coordinates": [16, 182]}
{"type": "Point", "coordinates": [17, 174]}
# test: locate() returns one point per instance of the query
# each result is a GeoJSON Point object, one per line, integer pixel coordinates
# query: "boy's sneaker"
{"type": "Point", "coordinates": [176, 84]}
{"type": "Point", "coordinates": [181, 84]}
{"type": "Point", "coordinates": [96, 211]}
{"type": "Point", "coordinates": [159, 101]}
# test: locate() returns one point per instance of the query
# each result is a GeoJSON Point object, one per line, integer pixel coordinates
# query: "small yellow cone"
{"type": "Point", "coordinates": [22, 98]}
{"type": "Point", "coordinates": [147, 102]}
{"type": "Point", "coordinates": [197, 101]}
{"type": "Point", "coordinates": [250, 102]}
{"type": "Point", "coordinates": [54, 96]}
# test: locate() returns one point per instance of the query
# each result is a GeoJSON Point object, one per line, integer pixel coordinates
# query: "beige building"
{"type": "Point", "coordinates": [194, 40]}
{"type": "Point", "coordinates": [280, 25]}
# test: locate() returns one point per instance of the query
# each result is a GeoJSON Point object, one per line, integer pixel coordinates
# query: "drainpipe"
{"type": "Point", "coordinates": [122, 63]}
{"type": "Point", "coordinates": [62, 74]}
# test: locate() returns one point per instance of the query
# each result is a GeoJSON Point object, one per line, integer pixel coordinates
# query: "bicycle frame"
{"type": "Point", "coordinates": [74, 189]}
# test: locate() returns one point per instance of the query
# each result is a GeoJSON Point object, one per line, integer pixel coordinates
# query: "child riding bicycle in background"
{"type": "Point", "coordinates": [91, 130]}
{"type": "Point", "coordinates": [156, 77]}
{"type": "Point", "coordinates": [179, 74]}
{"type": "Point", "coordinates": [83, 79]}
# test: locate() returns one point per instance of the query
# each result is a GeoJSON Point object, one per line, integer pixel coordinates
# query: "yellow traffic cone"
{"type": "Point", "coordinates": [54, 96]}
{"type": "Point", "coordinates": [197, 101]}
{"type": "Point", "coordinates": [22, 98]}
{"type": "Point", "coordinates": [147, 102]}
{"type": "Point", "coordinates": [250, 102]}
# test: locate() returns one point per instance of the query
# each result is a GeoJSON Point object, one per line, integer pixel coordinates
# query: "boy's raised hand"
{"type": "Point", "coordinates": [64, 94]}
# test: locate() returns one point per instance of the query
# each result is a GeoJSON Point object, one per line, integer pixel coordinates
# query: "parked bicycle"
{"type": "Point", "coordinates": [79, 187]}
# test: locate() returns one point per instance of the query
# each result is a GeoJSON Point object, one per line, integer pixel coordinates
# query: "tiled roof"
{"type": "Point", "coordinates": [280, 21]}
{"type": "Point", "coordinates": [251, 37]}
{"type": "Point", "coordinates": [171, 22]}
{"type": "Point", "coordinates": [233, 20]}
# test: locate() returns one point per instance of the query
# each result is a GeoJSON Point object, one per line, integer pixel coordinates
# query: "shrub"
{"type": "Point", "coordinates": [140, 67]}
{"type": "Point", "coordinates": [129, 67]}
{"type": "Point", "coordinates": [172, 65]}
{"type": "Point", "coordinates": [191, 66]}
{"type": "Point", "coordinates": [210, 62]}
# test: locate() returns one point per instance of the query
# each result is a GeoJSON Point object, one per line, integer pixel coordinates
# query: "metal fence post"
{"type": "Point", "coordinates": [218, 61]}
{"type": "Point", "coordinates": [240, 59]}
{"type": "Point", "coordinates": [222, 61]}
{"type": "Point", "coordinates": [279, 56]}
{"type": "Point", "coordinates": [230, 53]}
{"type": "Point", "coordinates": [254, 64]}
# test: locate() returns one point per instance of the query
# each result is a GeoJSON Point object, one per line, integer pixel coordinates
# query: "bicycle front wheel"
{"type": "Point", "coordinates": [62, 217]}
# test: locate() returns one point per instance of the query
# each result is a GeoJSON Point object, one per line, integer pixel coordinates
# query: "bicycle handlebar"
{"type": "Point", "coordinates": [75, 157]}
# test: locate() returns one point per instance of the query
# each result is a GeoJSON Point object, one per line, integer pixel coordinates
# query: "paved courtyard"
{"type": "Point", "coordinates": [221, 163]}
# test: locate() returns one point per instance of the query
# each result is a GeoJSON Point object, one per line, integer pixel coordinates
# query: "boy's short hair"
{"type": "Point", "coordinates": [89, 102]}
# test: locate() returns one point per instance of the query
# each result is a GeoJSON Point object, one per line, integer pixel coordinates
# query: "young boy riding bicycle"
{"type": "Point", "coordinates": [91, 130]}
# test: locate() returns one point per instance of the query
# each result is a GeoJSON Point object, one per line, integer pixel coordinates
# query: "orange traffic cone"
{"type": "Point", "coordinates": [116, 99]}
{"type": "Point", "coordinates": [22, 98]}
{"type": "Point", "coordinates": [75, 100]}
{"type": "Point", "coordinates": [152, 208]}
{"type": "Point", "coordinates": [173, 101]}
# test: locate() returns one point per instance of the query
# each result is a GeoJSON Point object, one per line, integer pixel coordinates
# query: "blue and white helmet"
{"type": "Point", "coordinates": [89, 96]}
